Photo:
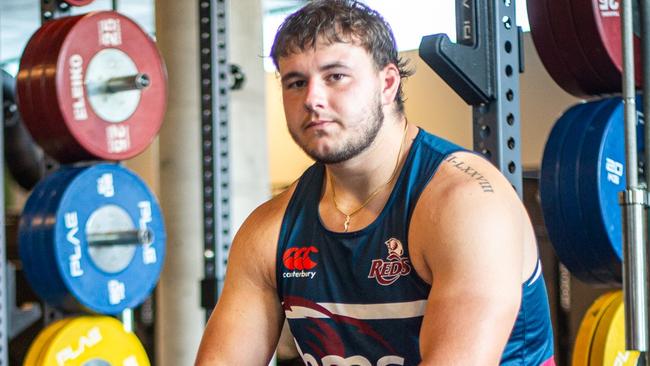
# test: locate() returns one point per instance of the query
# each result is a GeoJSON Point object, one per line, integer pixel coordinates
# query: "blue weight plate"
{"type": "Point", "coordinates": [55, 291]}
{"type": "Point", "coordinates": [96, 196]}
{"type": "Point", "coordinates": [602, 178]}
{"type": "Point", "coordinates": [31, 247]}
{"type": "Point", "coordinates": [25, 233]}
{"type": "Point", "coordinates": [607, 259]}
{"type": "Point", "coordinates": [588, 253]}
{"type": "Point", "coordinates": [550, 191]}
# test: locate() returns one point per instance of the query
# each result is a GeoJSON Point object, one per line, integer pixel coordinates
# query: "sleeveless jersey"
{"type": "Point", "coordinates": [354, 298]}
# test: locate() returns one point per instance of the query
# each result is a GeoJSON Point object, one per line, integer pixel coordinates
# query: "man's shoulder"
{"type": "Point", "coordinates": [467, 181]}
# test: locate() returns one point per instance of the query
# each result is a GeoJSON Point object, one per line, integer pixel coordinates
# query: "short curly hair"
{"type": "Point", "coordinates": [335, 21]}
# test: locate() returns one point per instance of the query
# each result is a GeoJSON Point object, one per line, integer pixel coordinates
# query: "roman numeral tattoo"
{"type": "Point", "coordinates": [463, 167]}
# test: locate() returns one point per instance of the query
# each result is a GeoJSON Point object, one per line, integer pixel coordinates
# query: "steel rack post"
{"type": "Point", "coordinates": [4, 326]}
{"type": "Point", "coordinates": [483, 68]}
{"type": "Point", "coordinates": [645, 49]}
{"type": "Point", "coordinates": [634, 200]}
{"type": "Point", "coordinates": [213, 37]}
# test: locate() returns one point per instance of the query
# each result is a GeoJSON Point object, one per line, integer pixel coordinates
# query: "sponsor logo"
{"type": "Point", "coordinates": [388, 271]}
{"type": "Point", "coordinates": [357, 360]}
{"type": "Point", "coordinates": [331, 350]}
{"type": "Point", "coordinates": [297, 260]}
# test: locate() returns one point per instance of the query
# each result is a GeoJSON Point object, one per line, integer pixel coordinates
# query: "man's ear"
{"type": "Point", "coordinates": [390, 79]}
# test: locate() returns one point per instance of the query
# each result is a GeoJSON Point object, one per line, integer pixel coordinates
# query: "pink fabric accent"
{"type": "Point", "coordinates": [549, 362]}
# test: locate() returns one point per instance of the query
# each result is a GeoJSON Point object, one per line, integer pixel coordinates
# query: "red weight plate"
{"type": "Point", "coordinates": [31, 59]}
{"type": "Point", "coordinates": [23, 95]}
{"type": "Point", "coordinates": [120, 140]}
{"type": "Point", "coordinates": [547, 49]}
{"type": "Point", "coordinates": [78, 2]}
{"type": "Point", "coordinates": [598, 24]}
{"type": "Point", "coordinates": [569, 47]}
{"type": "Point", "coordinates": [47, 124]}
{"type": "Point", "coordinates": [61, 144]}
{"type": "Point", "coordinates": [39, 125]}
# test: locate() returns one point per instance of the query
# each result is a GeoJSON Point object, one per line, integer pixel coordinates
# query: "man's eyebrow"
{"type": "Point", "coordinates": [333, 65]}
{"type": "Point", "coordinates": [291, 75]}
{"type": "Point", "coordinates": [299, 75]}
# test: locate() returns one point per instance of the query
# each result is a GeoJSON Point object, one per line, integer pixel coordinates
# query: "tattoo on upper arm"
{"type": "Point", "coordinates": [463, 167]}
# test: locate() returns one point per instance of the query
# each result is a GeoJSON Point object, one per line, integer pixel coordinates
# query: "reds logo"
{"type": "Point", "coordinates": [298, 258]}
{"type": "Point", "coordinates": [387, 272]}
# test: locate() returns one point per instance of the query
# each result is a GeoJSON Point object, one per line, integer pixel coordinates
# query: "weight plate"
{"type": "Point", "coordinates": [44, 90]}
{"type": "Point", "coordinates": [588, 253]}
{"type": "Point", "coordinates": [29, 109]}
{"type": "Point", "coordinates": [598, 25]}
{"type": "Point", "coordinates": [67, 260]}
{"type": "Point", "coordinates": [43, 128]}
{"type": "Point", "coordinates": [608, 345]}
{"type": "Point", "coordinates": [43, 339]}
{"type": "Point", "coordinates": [77, 85]}
{"type": "Point", "coordinates": [93, 340]}
{"type": "Point", "coordinates": [78, 2]}
{"type": "Point", "coordinates": [569, 46]}
{"type": "Point", "coordinates": [582, 175]}
{"type": "Point", "coordinates": [547, 49]}
{"type": "Point", "coordinates": [32, 249]}
{"type": "Point", "coordinates": [99, 37]}
{"type": "Point", "coordinates": [602, 178]}
{"type": "Point", "coordinates": [585, 336]}
{"type": "Point", "coordinates": [551, 200]}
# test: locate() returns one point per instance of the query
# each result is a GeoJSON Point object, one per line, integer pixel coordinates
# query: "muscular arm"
{"type": "Point", "coordinates": [472, 246]}
{"type": "Point", "coordinates": [245, 325]}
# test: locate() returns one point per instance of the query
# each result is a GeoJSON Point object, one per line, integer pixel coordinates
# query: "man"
{"type": "Point", "coordinates": [396, 247]}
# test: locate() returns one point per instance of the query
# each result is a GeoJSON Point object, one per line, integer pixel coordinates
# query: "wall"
{"type": "Point", "coordinates": [180, 319]}
{"type": "Point", "coordinates": [432, 104]}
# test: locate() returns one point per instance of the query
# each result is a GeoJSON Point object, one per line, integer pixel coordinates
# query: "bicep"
{"type": "Point", "coordinates": [248, 311]}
{"type": "Point", "coordinates": [475, 266]}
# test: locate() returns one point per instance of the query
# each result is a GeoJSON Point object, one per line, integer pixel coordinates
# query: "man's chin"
{"type": "Point", "coordinates": [328, 157]}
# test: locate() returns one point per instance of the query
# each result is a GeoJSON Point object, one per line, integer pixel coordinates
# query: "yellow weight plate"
{"type": "Point", "coordinates": [608, 347]}
{"type": "Point", "coordinates": [99, 339]}
{"type": "Point", "coordinates": [588, 326]}
{"type": "Point", "coordinates": [41, 341]}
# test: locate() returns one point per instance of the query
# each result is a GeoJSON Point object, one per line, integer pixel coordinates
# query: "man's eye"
{"type": "Point", "coordinates": [337, 77]}
{"type": "Point", "coordinates": [296, 84]}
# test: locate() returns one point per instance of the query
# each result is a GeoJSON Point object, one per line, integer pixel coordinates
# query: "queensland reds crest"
{"type": "Point", "coordinates": [388, 271]}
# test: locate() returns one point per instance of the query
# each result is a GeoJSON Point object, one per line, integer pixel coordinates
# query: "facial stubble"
{"type": "Point", "coordinates": [355, 144]}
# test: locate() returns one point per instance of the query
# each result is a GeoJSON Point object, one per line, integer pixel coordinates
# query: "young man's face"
{"type": "Point", "coordinates": [333, 101]}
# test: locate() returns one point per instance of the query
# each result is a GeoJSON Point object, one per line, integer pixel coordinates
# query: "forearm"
{"type": "Point", "coordinates": [240, 335]}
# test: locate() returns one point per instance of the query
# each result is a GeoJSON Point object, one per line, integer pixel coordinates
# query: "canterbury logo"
{"type": "Point", "coordinates": [298, 258]}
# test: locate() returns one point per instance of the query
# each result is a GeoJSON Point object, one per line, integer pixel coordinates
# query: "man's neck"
{"type": "Point", "coordinates": [356, 178]}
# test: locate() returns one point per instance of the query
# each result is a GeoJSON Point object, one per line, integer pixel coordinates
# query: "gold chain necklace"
{"type": "Point", "coordinates": [348, 216]}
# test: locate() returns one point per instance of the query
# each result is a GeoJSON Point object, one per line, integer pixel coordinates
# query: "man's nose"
{"type": "Point", "coordinates": [315, 97]}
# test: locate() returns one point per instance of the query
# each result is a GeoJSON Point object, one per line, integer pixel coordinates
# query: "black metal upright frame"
{"type": "Point", "coordinates": [4, 311]}
{"type": "Point", "coordinates": [483, 68]}
{"type": "Point", "coordinates": [213, 51]}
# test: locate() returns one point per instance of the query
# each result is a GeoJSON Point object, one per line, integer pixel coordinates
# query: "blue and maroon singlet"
{"type": "Point", "coordinates": [355, 299]}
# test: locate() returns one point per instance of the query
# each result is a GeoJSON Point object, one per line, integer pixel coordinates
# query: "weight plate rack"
{"type": "Point", "coordinates": [51, 13]}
